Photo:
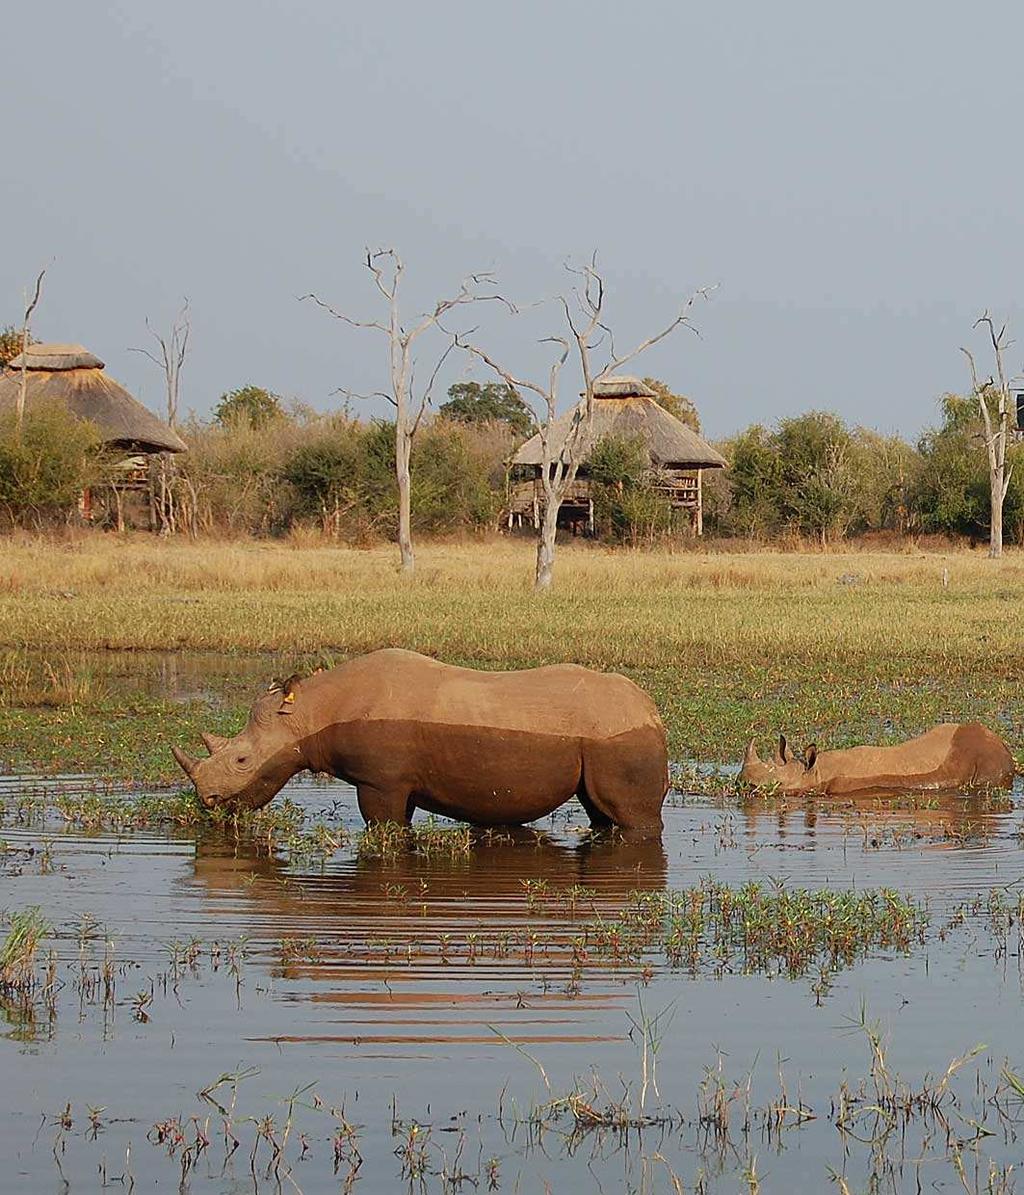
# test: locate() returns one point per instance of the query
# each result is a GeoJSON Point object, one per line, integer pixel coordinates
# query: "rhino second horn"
{"type": "Point", "coordinates": [188, 764]}
{"type": "Point", "coordinates": [213, 742]}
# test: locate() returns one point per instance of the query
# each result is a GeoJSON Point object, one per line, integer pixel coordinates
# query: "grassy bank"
{"type": "Point", "coordinates": [835, 647]}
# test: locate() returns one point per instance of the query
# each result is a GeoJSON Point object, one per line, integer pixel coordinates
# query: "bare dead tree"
{"type": "Point", "coordinates": [585, 333]}
{"type": "Point", "coordinates": [386, 269]}
{"type": "Point", "coordinates": [169, 357]}
{"type": "Point", "coordinates": [30, 306]}
{"type": "Point", "coordinates": [995, 404]}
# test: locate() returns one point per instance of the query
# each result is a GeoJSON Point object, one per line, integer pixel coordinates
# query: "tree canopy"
{"type": "Point", "coordinates": [676, 404]}
{"type": "Point", "coordinates": [490, 402]}
{"type": "Point", "coordinates": [10, 344]}
{"type": "Point", "coordinates": [252, 405]}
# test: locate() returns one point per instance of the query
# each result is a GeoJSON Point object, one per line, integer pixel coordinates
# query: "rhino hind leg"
{"type": "Point", "coordinates": [598, 820]}
{"type": "Point", "coordinates": [625, 780]}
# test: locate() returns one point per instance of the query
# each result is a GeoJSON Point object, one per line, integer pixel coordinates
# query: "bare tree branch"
{"type": "Point", "coordinates": [582, 310]}
{"type": "Point", "coordinates": [386, 269]}
{"type": "Point", "coordinates": [347, 319]}
{"type": "Point", "coordinates": [173, 349]}
{"type": "Point", "coordinates": [363, 397]}
{"type": "Point", "coordinates": [30, 306]}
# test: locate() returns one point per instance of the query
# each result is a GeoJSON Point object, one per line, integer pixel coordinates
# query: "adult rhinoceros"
{"type": "Point", "coordinates": [950, 756]}
{"type": "Point", "coordinates": [490, 748]}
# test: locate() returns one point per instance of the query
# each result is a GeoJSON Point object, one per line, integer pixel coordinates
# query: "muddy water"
{"type": "Point", "coordinates": [429, 1013]}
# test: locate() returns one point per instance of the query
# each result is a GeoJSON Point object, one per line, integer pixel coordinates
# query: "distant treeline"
{"type": "Point", "coordinates": [258, 469]}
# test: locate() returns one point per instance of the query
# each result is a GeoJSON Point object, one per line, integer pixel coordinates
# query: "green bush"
{"type": "Point", "coordinates": [338, 474]}
{"type": "Point", "coordinates": [45, 469]}
{"type": "Point", "coordinates": [451, 480]}
{"type": "Point", "coordinates": [248, 404]}
{"type": "Point", "coordinates": [951, 490]}
{"type": "Point", "coordinates": [814, 475]}
{"type": "Point", "coordinates": [627, 504]}
{"type": "Point", "coordinates": [232, 476]}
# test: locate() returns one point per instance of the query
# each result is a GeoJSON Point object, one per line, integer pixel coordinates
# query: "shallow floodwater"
{"type": "Point", "coordinates": [225, 1020]}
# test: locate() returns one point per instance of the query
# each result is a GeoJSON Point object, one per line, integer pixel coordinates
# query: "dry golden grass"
{"type": "Point", "coordinates": [841, 647]}
{"type": "Point", "coordinates": [474, 601]}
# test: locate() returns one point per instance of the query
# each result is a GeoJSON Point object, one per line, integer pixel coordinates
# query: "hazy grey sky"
{"type": "Point", "coordinates": [850, 175]}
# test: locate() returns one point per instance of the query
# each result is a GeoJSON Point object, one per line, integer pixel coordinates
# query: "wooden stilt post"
{"type": "Point", "coordinates": [590, 516]}
{"type": "Point", "coordinates": [700, 501]}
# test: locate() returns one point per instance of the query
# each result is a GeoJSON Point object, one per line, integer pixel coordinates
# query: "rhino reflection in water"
{"type": "Point", "coordinates": [489, 880]}
{"type": "Point", "coordinates": [489, 748]}
{"type": "Point", "coordinates": [935, 817]}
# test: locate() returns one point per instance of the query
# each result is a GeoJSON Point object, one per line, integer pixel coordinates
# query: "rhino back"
{"type": "Point", "coordinates": [401, 686]}
{"type": "Point", "coordinates": [948, 755]}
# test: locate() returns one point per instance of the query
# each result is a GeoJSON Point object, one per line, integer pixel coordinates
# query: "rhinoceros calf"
{"type": "Point", "coordinates": [950, 756]}
{"type": "Point", "coordinates": [490, 748]}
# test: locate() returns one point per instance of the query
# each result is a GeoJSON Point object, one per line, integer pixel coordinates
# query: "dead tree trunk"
{"type": "Point", "coordinates": [562, 455]}
{"type": "Point", "coordinates": [173, 349]}
{"type": "Point", "coordinates": [546, 546]}
{"type": "Point", "coordinates": [386, 268]}
{"type": "Point", "coordinates": [30, 306]}
{"type": "Point", "coordinates": [403, 477]}
{"type": "Point", "coordinates": [994, 402]}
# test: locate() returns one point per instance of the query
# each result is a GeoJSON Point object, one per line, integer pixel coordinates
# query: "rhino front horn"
{"type": "Point", "coordinates": [212, 742]}
{"type": "Point", "coordinates": [188, 764]}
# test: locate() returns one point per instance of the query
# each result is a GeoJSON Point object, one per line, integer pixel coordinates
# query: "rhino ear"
{"type": "Point", "coordinates": [785, 755]}
{"type": "Point", "coordinates": [810, 756]}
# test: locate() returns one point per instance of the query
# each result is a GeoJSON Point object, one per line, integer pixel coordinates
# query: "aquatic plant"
{"type": "Point", "coordinates": [25, 934]}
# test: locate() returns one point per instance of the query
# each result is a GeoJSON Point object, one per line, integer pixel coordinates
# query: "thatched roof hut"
{"type": "Point", "coordinates": [71, 374]}
{"type": "Point", "coordinates": [626, 407]}
{"type": "Point", "coordinates": [623, 406]}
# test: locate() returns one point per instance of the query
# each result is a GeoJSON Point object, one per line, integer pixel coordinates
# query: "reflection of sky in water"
{"type": "Point", "coordinates": [381, 992]}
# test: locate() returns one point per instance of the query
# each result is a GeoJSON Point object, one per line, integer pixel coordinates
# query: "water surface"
{"type": "Point", "coordinates": [439, 1004]}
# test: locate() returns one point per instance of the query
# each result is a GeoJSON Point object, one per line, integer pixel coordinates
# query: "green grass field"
{"type": "Point", "coordinates": [835, 647]}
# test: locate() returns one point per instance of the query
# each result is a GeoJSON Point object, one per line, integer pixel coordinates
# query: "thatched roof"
{"type": "Point", "coordinates": [88, 393]}
{"type": "Point", "coordinates": [669, 441]}
{"type": "Point", "coordinates": [58, 356]}
{"type": "Point", "coordinates": [620, 386]}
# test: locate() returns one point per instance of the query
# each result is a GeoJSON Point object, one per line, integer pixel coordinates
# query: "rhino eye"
{"type": "Point", "coordinates": [242, 759]}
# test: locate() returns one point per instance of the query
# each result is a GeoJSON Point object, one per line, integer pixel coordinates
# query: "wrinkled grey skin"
{"type": "Point", "coordinates": [246, 772]}
{"type": "Point", "coordinates": [784, 769]}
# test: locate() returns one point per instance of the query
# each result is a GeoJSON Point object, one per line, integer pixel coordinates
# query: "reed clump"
{"type": "Point", "coordinates": [26, 932]}
{"type": "Point", "coordinates": [755, 928]}
{"type": "Point", "coordinates": [388, 840]}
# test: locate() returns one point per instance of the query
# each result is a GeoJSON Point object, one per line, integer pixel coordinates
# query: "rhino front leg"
{"type": "Point", "coordinates": [385, 804]}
